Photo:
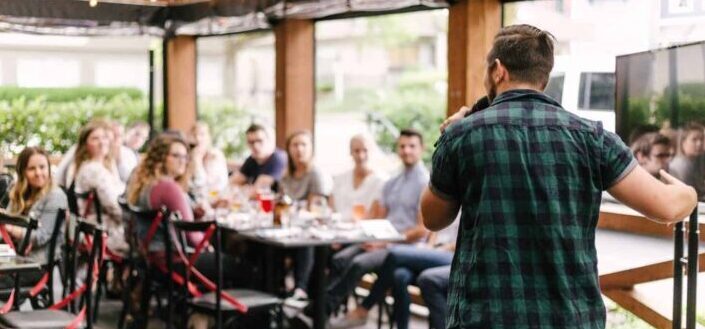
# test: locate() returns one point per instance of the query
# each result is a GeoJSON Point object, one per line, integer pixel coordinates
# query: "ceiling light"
{"type": "Point", "coordinates": [93, 3]}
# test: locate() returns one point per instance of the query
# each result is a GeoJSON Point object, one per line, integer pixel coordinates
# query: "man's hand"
{"type": "Point", "coordinates": [457, 116]}
{"type": "Point", "coordinates": [667, 178]}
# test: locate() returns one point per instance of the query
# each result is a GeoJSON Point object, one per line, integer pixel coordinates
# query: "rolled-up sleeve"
{"type": "Point", "coordinates": [444, 180]}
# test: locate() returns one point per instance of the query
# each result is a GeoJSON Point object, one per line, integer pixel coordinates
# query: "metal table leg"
{"type": "Point", "coordinates": [320, 317]}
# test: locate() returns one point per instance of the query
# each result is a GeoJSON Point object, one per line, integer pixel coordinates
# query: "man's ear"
{"type": "Point", "coordinates": [499, 73]}
{"type": "Point", "coordinates": [639, 157]}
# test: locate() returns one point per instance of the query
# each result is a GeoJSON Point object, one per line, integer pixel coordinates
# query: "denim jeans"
{"type": "Point", "coordinates": [401, 267]}
{"type": "Point", "coordinates": [347, 268]}
{"type": "Point", "coordinates": [434, 290]}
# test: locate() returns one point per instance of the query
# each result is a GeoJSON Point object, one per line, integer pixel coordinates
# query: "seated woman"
{"type": "Point", "coordinates": [94, 169]}
{"type": "Point", "coordinates": [210, 170]}
{"type": "Point", "coordinates": [35, 194]}
{"type": "Point", "coordinates": [161, 180]}
{"type": "Point", "coordinates": [303, 181]}
{"type": "Point", "coordinates": [689, 163]}
{"type": "Point", "coordinates": [354, 191]}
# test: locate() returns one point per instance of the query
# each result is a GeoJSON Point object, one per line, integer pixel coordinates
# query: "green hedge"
{"type": "Point", "coordinates": [55, 125]}
{"type": "Point", "coordinates": [8, 93]}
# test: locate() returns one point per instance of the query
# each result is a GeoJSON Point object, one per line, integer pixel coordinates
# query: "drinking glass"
{"type": "Point", "coordinates": [358, 211]}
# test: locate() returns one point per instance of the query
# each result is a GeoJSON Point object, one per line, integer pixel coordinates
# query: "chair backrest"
{"type": "Point", "coordinates": [55, 242]}
{"type": "Point", "coordinates": [182, 229]}
{"type": "Point", "coordinates": [6, 181]}
{"type": "Point", "coordinates": [28, 223]}
{"type": "Point", "coordinates": [139, 219]}
{"type": "Point", "coordinates": [87, 231]}
{"type": "Point", "coordinates": [90, 197]}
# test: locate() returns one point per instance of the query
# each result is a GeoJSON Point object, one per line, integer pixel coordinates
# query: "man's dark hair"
{"type": "Point", "coordinates": [411, 132]}
{"type": "Point", "coordinates": [526, 52]}
{"type": "Point", "coordinates": [255, 127]}
{"type": "Point", "coordinates": [646, 142]}
{"type": "Point", "coordinates": [641, 130]}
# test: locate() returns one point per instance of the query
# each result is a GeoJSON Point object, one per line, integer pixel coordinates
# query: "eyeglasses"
{"type": "Point", "coordinates": [663, 155]}
{"type": "Point", "coordinates": [182, 157]}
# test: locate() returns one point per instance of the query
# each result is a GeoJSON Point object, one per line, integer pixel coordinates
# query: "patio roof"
{"type": "Point", "coordinates": [182, 17]}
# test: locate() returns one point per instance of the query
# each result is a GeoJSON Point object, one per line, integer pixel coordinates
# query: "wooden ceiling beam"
{"type": "Point", "coordinates": [156, 3]}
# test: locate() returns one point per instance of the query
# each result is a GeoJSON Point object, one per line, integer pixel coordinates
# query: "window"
{"type": "Point", "coordinates": [596, 91]}
{"type": "Point", "coordinates": [555, 87]}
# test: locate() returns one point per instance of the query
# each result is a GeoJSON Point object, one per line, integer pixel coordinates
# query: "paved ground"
{"type": "Point", "coordinates": [616, 319]}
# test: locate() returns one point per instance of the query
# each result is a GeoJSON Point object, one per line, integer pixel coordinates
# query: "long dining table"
{"type": "Point", "coordinates": [320, 236]}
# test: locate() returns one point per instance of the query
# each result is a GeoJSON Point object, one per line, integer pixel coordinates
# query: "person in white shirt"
{"type": "Point", "coordinates": [355, 191]}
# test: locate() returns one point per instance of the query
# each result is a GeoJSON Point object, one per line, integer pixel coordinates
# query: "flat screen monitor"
{"type": "Point", "coordinates": [660, 110]}
{"type": "Point", "coordinates": [662, 89]}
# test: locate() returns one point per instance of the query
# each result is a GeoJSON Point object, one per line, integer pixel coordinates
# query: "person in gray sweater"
{"type": "Point", "coordinates": [35, 195]}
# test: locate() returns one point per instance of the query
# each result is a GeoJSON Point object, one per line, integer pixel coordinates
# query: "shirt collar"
{"type": "Point", "coordinates": [415, 168]}
{"type": "Point", "coordinates": [523, 94]}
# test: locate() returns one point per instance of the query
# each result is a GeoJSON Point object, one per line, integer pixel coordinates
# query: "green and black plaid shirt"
{"type": "Point", "coordinates": [529, 177]}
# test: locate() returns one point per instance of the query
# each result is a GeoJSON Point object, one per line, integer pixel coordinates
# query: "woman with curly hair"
{"type": "Point", "coordinates": [161, 180]}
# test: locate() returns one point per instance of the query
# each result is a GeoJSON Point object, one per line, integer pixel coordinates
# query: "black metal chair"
{"type": "Point", "coordinates": [42, 295]}
{"type": "Point", "coordinates": [218, 302]}
{"type": "Point", "coordinates": [143, 270]}
{"type": "Point", "coordinates": [29, 225]}
{"type": "Point", "coordinates": [6, 181]}
{"type": "Point", "coordinates": [77, 316]}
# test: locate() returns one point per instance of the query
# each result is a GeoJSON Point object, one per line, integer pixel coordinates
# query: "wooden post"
{"type": "Point", "coordinates": [180, 89]}
{"type": "Point", "coordinates": [472, 26]}
{"type": "Point", "coordinates": [295, 95]}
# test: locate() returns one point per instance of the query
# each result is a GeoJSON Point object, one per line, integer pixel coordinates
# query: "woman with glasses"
{"type": "Point", "coordinates": [161, 180]}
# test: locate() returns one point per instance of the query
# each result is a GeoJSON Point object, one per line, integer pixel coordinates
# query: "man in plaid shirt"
{"type": "Point", "coordinates": [528, 176]}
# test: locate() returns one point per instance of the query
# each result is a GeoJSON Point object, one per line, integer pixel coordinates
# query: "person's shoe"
{"type": "Point", "coordinates": [299, 294]}
{"type": "Point", "coordinates": [347, 321]}
{"type": "Point", "coordinates": [298, 300]}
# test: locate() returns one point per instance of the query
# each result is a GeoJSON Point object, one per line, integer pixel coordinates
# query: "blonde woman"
{"type": "Point", "coordinates": [210, 170]}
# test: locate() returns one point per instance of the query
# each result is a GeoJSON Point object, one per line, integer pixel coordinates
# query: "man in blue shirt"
{"type": "Point", "coordinates": [266, 163]}
{"type": "Point", "coordinates": [399, 205]}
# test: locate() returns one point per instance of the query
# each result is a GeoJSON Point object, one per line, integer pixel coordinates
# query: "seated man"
{"type": "Point", "coordinates": [403, 266]}
{"type": "Point", "coordinates": [399, 204]}
{"type": "Point", "coordinates": [266, 163]}
{"type": "Point", "coordinates": [653, 152]}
